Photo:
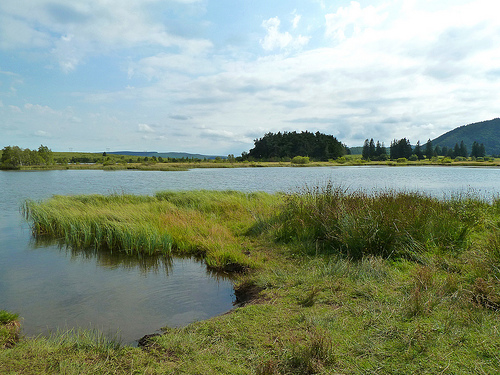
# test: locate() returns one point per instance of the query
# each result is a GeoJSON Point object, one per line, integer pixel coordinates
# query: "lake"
{"type": "Point", "coordinates": [56, 288]}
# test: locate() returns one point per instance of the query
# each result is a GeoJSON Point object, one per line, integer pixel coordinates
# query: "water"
{"type": "Point", "coordinates": [55, 288]}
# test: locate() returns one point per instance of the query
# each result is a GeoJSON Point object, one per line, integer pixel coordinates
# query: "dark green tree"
{"type": "Point", "coordinates": [287, 145]}
{"type": "Point", "coordinates": [418, 151]}
{"type": "Point", "coordinates": [365, 153]}
{"type": "Point", "coordinates": [380, 151]}
{"type": "Point", "coordinates": [401, 149]}
{"type": "Point", "coordinates": [46, 155]}
{"type": "Point", "coordinates": [429, 152]}
{"type": "Point", "coordinates": [463, 150]}
{"type": "Point", "coordinates": [478, 150]}
{"type": "Point", "coordinates": [12, 157]}
{"type": "Point", "coordinates": [372, 149]}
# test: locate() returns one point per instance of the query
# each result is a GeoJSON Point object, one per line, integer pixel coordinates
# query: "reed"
{"type": "Point", "coordinates": [202, 223]}
{"type": "Point", "coordinates": [390, 224]}
{"type": "Point", "coordinates": [115, 222]}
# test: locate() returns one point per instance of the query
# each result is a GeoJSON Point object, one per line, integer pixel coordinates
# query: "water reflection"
{"type": "Point", "coordinates": [107, 258]}
{"type": "Point", "coordinates": [60, 286]}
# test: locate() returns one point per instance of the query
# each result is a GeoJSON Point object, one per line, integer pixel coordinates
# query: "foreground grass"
{"type": "Point", "coordinates": [335, 283]}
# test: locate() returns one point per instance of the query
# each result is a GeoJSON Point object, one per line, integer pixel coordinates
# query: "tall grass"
{"type": "Point", "coordinates": [202, 223]}
{"type": "Point", "coordinates": [391, 224]}
{"type": "Point", "coordinates": [116, 222]}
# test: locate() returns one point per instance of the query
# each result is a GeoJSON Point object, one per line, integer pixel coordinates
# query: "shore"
{"type": "Point", "coordinates": [355, 160]}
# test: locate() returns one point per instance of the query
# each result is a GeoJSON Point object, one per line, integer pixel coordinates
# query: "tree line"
{"type": "Point", "coordinates": [14, 157]}
{"type": "Point", "coordinates": [287, 145]}
{"type": "Point", "coordinates": [403, 149]}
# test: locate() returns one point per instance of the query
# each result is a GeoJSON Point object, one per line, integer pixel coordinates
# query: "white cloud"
{"type": "Point", "coordinates": [145, 128]}
{"type": "Point", "coordinates": [278, 40]}
{"type": "Point", "coordinates": [167, 64]}
{"type": "Point", "coordinates": [296, 20]}
{"type": "Point", "coordinates": [76, 29]}
{"type": "Point", "coordinates": [42, 109]}
{"type": "Point", "coordinates": [42, 133]}
{"type": "Point", "coordinates": [352, 20]}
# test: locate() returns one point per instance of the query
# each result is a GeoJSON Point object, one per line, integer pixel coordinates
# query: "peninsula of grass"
{"type": "Point", "coordinates": [329, 282]}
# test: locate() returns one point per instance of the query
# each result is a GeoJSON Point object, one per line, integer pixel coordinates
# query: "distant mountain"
{"type": "Point", "coordinates": [485, 132]}
{"type": "Point", "coordinates": [176, 155]}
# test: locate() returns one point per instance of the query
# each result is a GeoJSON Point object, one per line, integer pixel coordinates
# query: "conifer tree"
{"type": "Point", "coordinates": [429, 152]}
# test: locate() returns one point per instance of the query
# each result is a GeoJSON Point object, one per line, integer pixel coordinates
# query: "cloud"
{"type": "Point", "coordinates": [67, 14]}
{"type": "Point", "coordinates": [218, 134]}
{"type": "Point", "coordinates": [352, 20]}
{"type": "Point", "coordinates": [76, 29]}
{"type": "Point", "coordinates": [179, 117]}
{"type": "Point", "coordinates": [277, 40]}
{"type": "Point", "coordinates": [192, 61]}
{"type": "Point", "coordinates": [42, 133]}
{"type": "Point", "coordinates": [296, 20]}
{"type": "Point", "coordinates": [145, 128]}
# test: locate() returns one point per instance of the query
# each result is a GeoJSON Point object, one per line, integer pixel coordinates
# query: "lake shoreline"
{"type": "Point", "coordinates": [184, 166]}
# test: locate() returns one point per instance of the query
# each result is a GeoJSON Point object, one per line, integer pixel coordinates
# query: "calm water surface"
{"type": "Point", "coordinates": [55, 288]}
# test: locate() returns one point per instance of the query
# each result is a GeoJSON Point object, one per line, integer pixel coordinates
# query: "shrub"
{"type": "Point", "coordinates": [401, 160]}
{"type": "Point", "coordinates": [300, 160]}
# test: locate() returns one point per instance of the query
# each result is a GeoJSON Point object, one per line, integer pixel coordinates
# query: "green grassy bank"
{"type": "Point", "coordinates": [62, 161]}
{"type": "Point", "coordinates": [331, 282]}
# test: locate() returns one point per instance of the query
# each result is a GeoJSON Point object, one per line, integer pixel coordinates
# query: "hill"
{"type": "Point", "coordinates": [176, 155]}
{"type": "Point", "coordinates": [486, 132]}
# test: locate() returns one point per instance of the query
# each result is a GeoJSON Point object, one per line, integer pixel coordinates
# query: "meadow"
{"type": "Point", "coordinates": [328, 281]}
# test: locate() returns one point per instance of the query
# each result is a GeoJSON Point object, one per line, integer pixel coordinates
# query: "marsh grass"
{"type": "Point", "coordinates": [390, 224]}
{"type": "Point", "coordinates": [340, 282]}
{"type": "Point", "coordinates": [208, 224]}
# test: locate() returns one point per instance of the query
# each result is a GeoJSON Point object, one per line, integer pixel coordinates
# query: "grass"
{"type": "Point", "coordinates": [9, 329]}
{"type": "Point", "coordinates": [335, 283]}
{"type": "Point", "coordinates": [388, 224]}
{"type": "Point", "coordinates": [208, 224]}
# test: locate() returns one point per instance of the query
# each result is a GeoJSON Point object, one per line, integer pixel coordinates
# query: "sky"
{"type": "Point", "coordinates": [211, 76]}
